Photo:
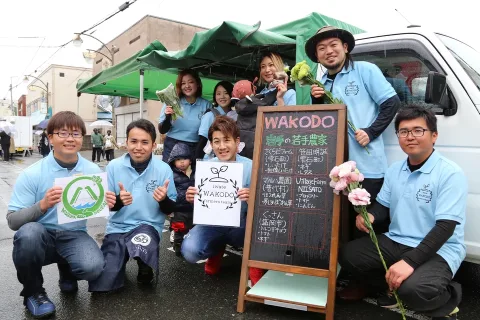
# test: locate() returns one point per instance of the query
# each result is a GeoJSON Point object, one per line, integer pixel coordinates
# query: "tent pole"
{"type": "Point", "coordinates": [141, 93]}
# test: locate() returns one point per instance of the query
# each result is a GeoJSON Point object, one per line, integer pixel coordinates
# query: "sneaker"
{"type": "Point", "coordinates": [172, 236]}
{"type": "Point", "coordinates": [451, 316]}
{"type": "Point", "coordinates": [255, 274]}
{"type": "Point", "coordinates": [387, 300]}
{"type": "Point", "coordinates": [145, 273]}
{"type": "Point", "coordinates": [68, 286]}
{"type": "Point", "coordinates": [40, 305]}
{"type": "Point", "coordinates": [213, 264]}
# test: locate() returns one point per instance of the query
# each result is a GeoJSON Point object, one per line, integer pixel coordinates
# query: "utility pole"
{"type": "Point", "coordinates": [11, 97]}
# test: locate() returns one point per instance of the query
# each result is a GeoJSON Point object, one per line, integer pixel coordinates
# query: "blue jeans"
{"type": "Point", "coordinates": [35, 247]}
{"type": "Point", "coordinates": [203, 242]}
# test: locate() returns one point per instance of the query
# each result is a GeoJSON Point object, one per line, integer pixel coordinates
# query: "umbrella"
{"type": "Point", "coordinates": [43, 124]}
{"type": "Point", "coordinates": [6, 126]}
{"type": "Point", "coordinates": [38, 132]}
{"type": "Point", "coordinates": [101, 123]}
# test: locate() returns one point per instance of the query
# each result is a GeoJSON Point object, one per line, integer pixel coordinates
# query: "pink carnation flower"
{"type": "Point", "coordinates": [345, 169]}
{"type": "Point", "coordinates": [353, 164]}
{"type": "Point", "coordinates": [341, 185]}
{"type": "Point", "coordinates": [359, 197]}
{"type": "Point", "coordinates": [334, 173]}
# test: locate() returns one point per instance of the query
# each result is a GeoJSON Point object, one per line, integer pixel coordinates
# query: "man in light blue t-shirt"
{"type": "Point", "coordinates": [370, 99]}
{"type": "Point", "coordinates": [145, 194]}
{"type": "Point", "coordinates": [208, 242]}
{"type": "Point", "coordinates": [425, 197]}
{"type": "Point", "coordinates": [32, 212]}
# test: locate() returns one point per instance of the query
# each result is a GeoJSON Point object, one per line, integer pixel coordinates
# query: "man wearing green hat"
{"type": "Point", "coordinates": [371, 105]}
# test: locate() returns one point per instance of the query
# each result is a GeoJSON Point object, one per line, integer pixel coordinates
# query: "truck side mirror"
{"type": "Point", "coordinates": [436, 89]}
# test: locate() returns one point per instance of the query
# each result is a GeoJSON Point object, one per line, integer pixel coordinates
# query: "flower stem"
{"type": "Point", "coordinates": [374, 239]}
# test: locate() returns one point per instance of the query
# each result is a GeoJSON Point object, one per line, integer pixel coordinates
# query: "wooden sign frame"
{"type": "Point", "coordinates": [331, 273]}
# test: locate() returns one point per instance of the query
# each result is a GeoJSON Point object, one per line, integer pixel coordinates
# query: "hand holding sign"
{"type": "Point", "coordinates": [111, 199]}
{"type": "Point", "coordinates": [125, 196]}
{"type": "Point", "coordinates": [244, 194]}
{"type": "Point", "coordinates": [161, 192]}
{"type": "Point", "coordinates": [190, 195]}
{"type": "Point", "coordinates": [51, 198]}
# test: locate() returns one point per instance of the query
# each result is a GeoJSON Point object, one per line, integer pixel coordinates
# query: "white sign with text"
{"type": "Point", "coordinates": [217, 202]}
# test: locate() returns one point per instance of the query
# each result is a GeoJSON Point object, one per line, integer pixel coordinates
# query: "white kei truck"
{"type": "Point", "coordinates": [442, 73]}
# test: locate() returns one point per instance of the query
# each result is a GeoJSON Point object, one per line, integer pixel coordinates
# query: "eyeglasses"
{"type": "Point", "coordinates": [65, 134]}
{"type": "Point", "coordinates": [417, 132]}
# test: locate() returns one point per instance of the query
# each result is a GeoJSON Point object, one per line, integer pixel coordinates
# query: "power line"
{"type": "Point", "coordinates": [121, 8]}
{"type": "Point", "coordinates": [34, 55]}
{"type": "Point", "coordinates": [17, 46]}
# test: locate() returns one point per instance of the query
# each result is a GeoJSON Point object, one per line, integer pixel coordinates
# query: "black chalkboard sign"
{"type": "Point", "coordinates": [293, 214]}
{"type": "Point", "coordinates": [294, 202]}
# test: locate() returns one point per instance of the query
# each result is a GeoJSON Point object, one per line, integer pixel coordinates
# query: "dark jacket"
{"type": "Point", "coordinates": [182, 181]}
{"type": "Point", "coordinates": [247, 118]}
{"type": "Point", "coordinates": [4, 138]}
{"type": "Point", "coordinates": [44, 143]}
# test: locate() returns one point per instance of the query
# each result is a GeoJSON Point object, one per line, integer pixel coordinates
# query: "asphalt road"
{"type": "Point", "coordinates": [183, 290]}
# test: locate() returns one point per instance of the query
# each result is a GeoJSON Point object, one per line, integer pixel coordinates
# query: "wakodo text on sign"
{"type": "Point", "coordinates": [292, 122]}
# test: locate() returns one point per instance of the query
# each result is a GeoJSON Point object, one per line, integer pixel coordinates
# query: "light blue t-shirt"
{"type": "Point", "coordinates": [247, 173]}
{"type": "Point", "coordinates": [207, 120]}
{"type": "Point", "coordinates": [363, 88]}
{"type": "Point", "coordinates": [186, 128]}
{"type": "Point", "coordinates": [144, 208]}
{"type": "Point", "coordinates": [289, 98]}
{"type": "Point", "coordinates": [436, 191]}
{"type": "Point", "coordinates": [34, 182]}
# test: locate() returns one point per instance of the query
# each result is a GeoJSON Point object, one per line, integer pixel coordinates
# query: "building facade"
{"type": "Point", "coordinates": [172, 34]}
{"type": "Point", "coordinates": [22, 105]}
{"type": "Point", "coordinates": [61, 83]}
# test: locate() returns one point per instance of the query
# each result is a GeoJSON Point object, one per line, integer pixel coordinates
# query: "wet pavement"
{"type": "Point", "coordinates": [183, 290]}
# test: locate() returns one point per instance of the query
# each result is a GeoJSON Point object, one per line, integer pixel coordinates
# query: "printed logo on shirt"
{"type": "Point", "coordinates": [351, 89]}
{"type": "Point", "coordinates": [424, 194]}
{"type": "Point", "coordinates": [151, 186]}
{"type": "Point", "coordinates": [142, 239]}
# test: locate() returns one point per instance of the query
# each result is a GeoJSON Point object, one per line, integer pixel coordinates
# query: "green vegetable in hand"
{"type": "Point", "coordinates": [170, 98]}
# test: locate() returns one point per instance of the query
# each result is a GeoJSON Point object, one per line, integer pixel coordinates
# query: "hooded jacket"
{"type": "Point", "coordinates": [182, 181]}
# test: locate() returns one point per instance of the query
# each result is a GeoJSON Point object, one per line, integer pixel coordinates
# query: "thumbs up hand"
{"type": "Point", "coordinates": [125, 196]}
{"type": "Point", "coordinates": [161, 192]}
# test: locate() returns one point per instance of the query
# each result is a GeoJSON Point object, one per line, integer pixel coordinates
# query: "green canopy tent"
{"type": "Point", "coordinates": [231, 51]}
{"type": "Point", "coordinates": [226, 52]}
{"type": "Point", "coordinates": [301, 30]}
{"type": "Point", "coordinates": [128, 77]}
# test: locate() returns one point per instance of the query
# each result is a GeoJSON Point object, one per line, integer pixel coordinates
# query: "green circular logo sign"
{"type": "Point", "coordinates": [83, 197]}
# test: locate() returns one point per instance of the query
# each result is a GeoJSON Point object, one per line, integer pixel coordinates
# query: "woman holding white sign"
{"type": "Point", "coordinates": [206, 241]}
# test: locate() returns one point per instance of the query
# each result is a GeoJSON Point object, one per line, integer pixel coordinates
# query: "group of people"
{"type": "Point", "coordinates": [419, 202]}
{"type": "Point", "coordinates": [103, 145]}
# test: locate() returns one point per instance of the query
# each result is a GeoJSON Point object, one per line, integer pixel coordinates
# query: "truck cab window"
{"type": "Point", "coordinates": [405, 64]}
{"type": "Point", "coordinates": [468, 57]}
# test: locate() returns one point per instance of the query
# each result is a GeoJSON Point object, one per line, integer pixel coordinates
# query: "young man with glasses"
{"type": "Point", "coordinates": [425, 197]}
{"type": "Point", "coordinates": [40, 240]}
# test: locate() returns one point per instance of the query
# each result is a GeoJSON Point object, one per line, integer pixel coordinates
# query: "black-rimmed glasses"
{"type": "Point", "coordinates": [65, 134]}
{"type": "Point", "coordinates": [417, 132]}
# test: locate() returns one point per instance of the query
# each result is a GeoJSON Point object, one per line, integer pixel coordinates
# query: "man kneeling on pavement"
{"type": "Point", "coordinates": [425, 197]}
{"type": "Point", "coordinates": [145, 195]}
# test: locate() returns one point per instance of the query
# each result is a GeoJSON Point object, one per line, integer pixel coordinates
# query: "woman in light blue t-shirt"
{"type": "Point", "coordinates": [184, 129]}
{"type": "Point", "coordinates": [270, 63]}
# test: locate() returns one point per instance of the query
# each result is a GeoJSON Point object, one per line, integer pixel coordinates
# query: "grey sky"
{"type": "Point", "coordinates": [55, 21]}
